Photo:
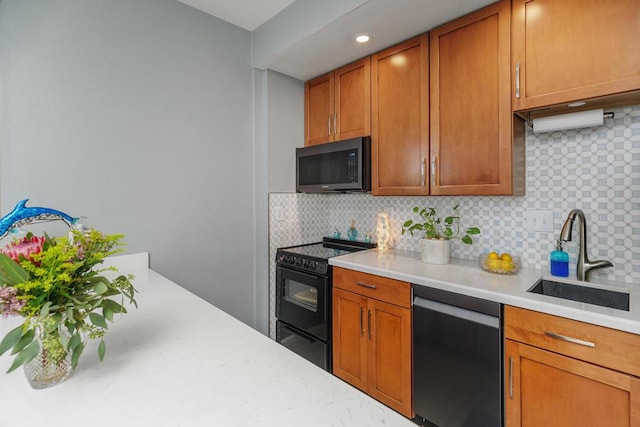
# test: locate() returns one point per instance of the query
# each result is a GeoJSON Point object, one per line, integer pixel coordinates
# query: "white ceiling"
{"type": "Point", "coordinates": [248, 14]}
{"type": "Point", "coordinates": [386, 21]}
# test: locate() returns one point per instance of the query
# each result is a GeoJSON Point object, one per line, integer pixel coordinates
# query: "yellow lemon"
{"type": "Point", "coordinates": [493, 264]}
{"type": "Point", "coordinates": [507, 264]}
{"type": "Point", "coordinates": [505, 257]}
{"type": "Point", "coordinates": [493, 255]}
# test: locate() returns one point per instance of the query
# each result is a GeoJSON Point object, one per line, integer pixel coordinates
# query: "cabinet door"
{"type": "Point", "coordinates": [544, 389]}
{"type": "Point", "coordinates": [400, 119]}
{"type": "Point", "coordinates": [350, 338]}
{"type": "Point", "coordinates": [390, 355]}
{"type": "Point", "coordinates": [353, 100]}
{"type": "Point", "coordinates": [470, 99]}
{"type": "Point", "coordinates": [574, 49]}
{"type": "Point", "coordinates": [319, 109]}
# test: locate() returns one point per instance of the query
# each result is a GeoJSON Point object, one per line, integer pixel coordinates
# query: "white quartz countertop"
{"type": "Point", "coordinates": [179, 361]}
{"type": "Point", "coordinates": [466, 277]}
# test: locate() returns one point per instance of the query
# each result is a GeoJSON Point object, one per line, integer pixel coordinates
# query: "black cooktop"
{"type": "Point", "coordinates": [315, 256]}
{"type": "Point", "coordinates": [329, 247]}
{"type": "Point", "coordinates": [316, 250]}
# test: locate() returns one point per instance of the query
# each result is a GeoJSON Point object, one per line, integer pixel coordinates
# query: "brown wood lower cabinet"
{"type": "Point", "coordinates": [548, 389]}
{"type": "Point", "coordinates": [372, 344]}
{"type": "Point", "coordinates": [559, 383]}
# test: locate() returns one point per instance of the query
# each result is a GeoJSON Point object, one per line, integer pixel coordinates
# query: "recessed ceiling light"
{"type": "Point", "coordinates": [362, 38]}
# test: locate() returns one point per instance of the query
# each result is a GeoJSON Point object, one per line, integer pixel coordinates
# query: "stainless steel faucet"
{"type": "Point", "coordinates": [584, 268]}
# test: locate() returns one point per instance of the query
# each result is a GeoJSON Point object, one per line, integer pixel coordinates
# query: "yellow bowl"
{"type": "Point", "coordinates": [499, 266]}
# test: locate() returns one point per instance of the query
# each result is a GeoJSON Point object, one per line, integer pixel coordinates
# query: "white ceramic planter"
{"type": "Point", "coordinates": [436, 251]}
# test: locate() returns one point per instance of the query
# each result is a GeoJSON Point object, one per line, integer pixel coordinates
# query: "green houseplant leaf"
{"type": "Point", "coordinates": [11, 339]}
{"type": "Point", "coordinates": [25, 356]}
{"type": "Point", "coordinates": [12, 272]}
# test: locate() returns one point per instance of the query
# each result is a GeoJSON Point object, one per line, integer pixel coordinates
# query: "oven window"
{"type": "Point", "coordinates": [301, 294]}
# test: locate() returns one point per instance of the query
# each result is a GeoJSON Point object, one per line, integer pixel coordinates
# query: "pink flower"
{"type": "Point", "coordinates": [25, 248]}
{"type": "Point", "coordinates": [9, 304]}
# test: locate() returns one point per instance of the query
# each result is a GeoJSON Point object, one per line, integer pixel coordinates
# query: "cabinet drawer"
{"type": "Point", "coordinates": [595, 344]}
{"type": "Point", "coordinates": [381, 288]}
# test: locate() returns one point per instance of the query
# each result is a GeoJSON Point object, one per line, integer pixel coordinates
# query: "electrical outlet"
{"type": "Point", "coordinates": [540, 220]}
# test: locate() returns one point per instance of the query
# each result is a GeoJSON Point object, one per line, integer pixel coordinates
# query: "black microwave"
{"type": "Point", "coordinates": [343, 166]}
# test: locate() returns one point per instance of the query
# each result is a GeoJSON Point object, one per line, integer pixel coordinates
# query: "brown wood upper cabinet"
{"type": "Point", "coordinates": [471, 116]}
{"type": "Point", "coordinates": [400, 119]}
{"type": "Point", "coordinates": [338, 104]}
{"type": "Point", "coordinates": [572, 50]}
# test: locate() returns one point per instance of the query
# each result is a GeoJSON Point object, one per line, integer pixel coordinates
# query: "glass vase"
{"type": "Point", "coordinates": [52, 365]}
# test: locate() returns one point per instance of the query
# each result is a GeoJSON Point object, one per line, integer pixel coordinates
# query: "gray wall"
{"type": "Point", "coordinates": [138, 115]}
{"type": "Point", "coordinates": [285, 118]}
{"type": "Point", "coordinates": [278, 129]}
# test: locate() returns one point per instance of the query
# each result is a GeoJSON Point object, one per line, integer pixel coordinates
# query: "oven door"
{"type": "Point", "coordinates": [302, 301]}
{"type": "Point", "coordinates": [305, 345]}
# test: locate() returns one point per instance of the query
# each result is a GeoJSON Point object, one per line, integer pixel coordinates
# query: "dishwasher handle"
{"type": "Point", "coordinates": [461, 313]}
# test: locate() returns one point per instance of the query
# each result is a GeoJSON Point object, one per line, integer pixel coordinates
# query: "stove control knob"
{"type": "Point", "coordinates": [299, 262]}
{"type": "Point", "coordinates": [306, 263]}
{"type": "Point", "coordinates": [313, 265]}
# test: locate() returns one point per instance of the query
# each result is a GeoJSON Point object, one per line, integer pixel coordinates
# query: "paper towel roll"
{"type": "Point", "coordinates": [582, 119]}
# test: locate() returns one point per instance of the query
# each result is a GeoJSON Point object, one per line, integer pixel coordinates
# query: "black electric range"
{"type": "Point", "coordinates": [303, 296]}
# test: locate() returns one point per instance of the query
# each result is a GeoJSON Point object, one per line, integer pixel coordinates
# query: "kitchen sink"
{"type": "Point", "coordinates": [586, 294]}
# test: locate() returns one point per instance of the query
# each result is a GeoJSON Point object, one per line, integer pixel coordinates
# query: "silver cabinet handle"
{"type": "Point", "coordinates": [422, 172]}
{"type": "Point", "coordinates": [511, 377]}
{"type": "Point", "coordinates": [335, 126]}
{"type": "Point", "coordinates": [361, 321]}
{"type": "Point", "coordinates": [366, 285]}
{"type": "Point", "coordinates": [329, 125]}
{"type": "Point", "coordinates": [433, 170]}
{"type": "Point", "coordinates": [369, 324]}
{"type": "Point", "coordinates": [569, 339]}
{"type": "Point", "coordinates": [517, 80]}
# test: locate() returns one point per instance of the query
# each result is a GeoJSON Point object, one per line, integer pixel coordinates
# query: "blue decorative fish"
{"type": "Point", "coordinates": [22, 215]}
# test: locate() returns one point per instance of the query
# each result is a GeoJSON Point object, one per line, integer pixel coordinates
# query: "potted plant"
{"type": "Point", "coordinates": [437, 233]}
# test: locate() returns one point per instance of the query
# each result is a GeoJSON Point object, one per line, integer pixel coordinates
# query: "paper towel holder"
{"type": "Point", "coordinates": [581, 119]}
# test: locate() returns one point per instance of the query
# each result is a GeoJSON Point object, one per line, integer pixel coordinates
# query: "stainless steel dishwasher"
{"type": "Point", "coordinates": [457, 359]}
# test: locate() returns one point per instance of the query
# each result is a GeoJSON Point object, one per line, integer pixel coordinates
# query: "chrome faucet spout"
{"type": "Point", "coordinates": [567, 228]}
{"type": "Point", "coordinates": [584, 266]}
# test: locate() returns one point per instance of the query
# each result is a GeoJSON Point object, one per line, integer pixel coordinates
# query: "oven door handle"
{"type": "Point", "coordinates": [461, 313]}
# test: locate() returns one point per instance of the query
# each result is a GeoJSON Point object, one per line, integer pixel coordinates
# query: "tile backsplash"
{"type": "Point", "coordinates": [595, 169]}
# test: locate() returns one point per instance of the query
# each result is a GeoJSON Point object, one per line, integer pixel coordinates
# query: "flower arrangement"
{"type": "Point", "coordinates": [57, 286]}
{"type": "Point", "coordinates": [437, 228]}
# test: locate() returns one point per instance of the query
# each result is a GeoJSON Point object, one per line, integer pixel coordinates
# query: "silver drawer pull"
{"type": "Point", "coordinates": [366, 285]}
{"type": "Point", "coordinates": [569, 339]}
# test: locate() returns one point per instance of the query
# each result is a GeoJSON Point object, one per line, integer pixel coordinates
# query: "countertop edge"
{"type": "Point", "coordinates": [510, 290]}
